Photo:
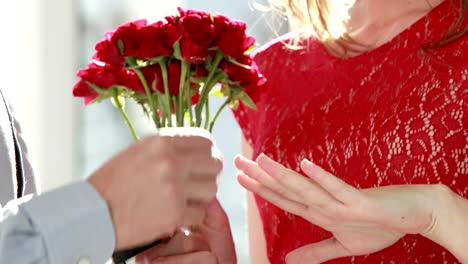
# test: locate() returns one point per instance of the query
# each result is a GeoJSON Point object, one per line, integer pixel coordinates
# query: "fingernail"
{"type": "Point", "coordinates": [145, 260]}
{"type": "Point", "coordinates": [264, 156]}
{"type": "Point", "coordinates": [238, 156]}
{"type": "Point", "coordinates": [306, 162]}
{"type": "Point", "coordinates": [160, 260]}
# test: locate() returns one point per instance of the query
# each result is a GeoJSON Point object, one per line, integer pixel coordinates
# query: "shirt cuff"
{"type": "Point", "coordinates": [75, 224]}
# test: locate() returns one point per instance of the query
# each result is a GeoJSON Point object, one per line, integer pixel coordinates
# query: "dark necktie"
{"type": "Point", "coordinates": [18, 157]}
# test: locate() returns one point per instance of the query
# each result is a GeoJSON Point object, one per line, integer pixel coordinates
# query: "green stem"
{"type": "Point", "coordinates": [175, 101]}
{"type": "Point", "coordinates": [228, 100]}
{"type": "Point", "coordinates": [163, 66]}
{"type": "Point", "coordinates": [122, 112]}
{"type": "Point", "coordinates": [162, 107]}
{"type": "Point", "coordinates": [189, 103]}
{"type": "Point", "coordinates": [149, 95]}
{"type": "Point", "coordinates": [181, 106]}
{"type": "Point", "coordinates": [207, 112]}
{"type": "Point", "coordinates": [206, 87]}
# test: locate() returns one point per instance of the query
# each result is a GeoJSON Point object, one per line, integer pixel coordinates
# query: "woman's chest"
{"type": "Point", "coordinates": [391, 123]}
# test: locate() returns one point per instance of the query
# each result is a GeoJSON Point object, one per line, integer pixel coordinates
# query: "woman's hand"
{"type": "Point", "coordinates": [361, 221]}
{"type": "Point", "coordinates": [211, 243]}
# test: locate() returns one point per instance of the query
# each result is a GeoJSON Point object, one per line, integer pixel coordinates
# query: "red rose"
{"type": "Point", "coordinates": [192, 52]}
{"type": "Point", "coordinates": [195, 98]}
{"type": "Point", "coordinates": [231, 37]}
{"type": "Point", "coordinates": [108, 53]}
{"type": "Point", "coordinates": [199, 71]}
{"type": "Point", "coordinates": [197, 26]}
{"type": "Point", "coordinates": [174, 69]}
{"type": "Point", "coordinates": [130, 80]}
{"type": "Point", "coordinates": [104, 76]}
{"type": "Point", "coordinates": [153, 76]}
{"type": "Point", "coordinates": [152, 41]}
{"type": "Point", "coordinates": [82, 89]}
{"type": "Point", "coordinates": [248, 76]}
{"type": "Point", "coordinates": [172, 30]}
{"type": "Point", "coordinates": [128, 34]}
{"type": "Point", "coordinates": [172, 19]}
{"type": "Point", "coordinates": [257, 87]}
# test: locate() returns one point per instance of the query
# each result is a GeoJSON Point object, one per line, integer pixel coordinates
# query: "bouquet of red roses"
{"type": "Point", "coordinates": [171, 67]}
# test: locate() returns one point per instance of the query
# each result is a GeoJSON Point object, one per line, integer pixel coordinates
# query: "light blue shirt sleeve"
{"type": "Point", "coordinates": [68, 225]}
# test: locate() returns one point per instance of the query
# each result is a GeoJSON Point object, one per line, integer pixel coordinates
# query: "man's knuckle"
{"type": "Point", "coordinates": [168, 164]}
{"type": "Point", "coordinates": [213, 189]}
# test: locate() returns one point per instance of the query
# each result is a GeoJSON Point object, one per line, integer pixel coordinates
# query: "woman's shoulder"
{"type": "Point", "coordinates": [289, 47]}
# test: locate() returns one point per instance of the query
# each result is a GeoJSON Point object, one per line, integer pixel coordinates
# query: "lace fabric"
{"type": "Point", "coordinates": [397, 114]}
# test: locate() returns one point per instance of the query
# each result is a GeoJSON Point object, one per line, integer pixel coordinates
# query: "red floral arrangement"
{"type": "Point", "coordinates": [171, 68]}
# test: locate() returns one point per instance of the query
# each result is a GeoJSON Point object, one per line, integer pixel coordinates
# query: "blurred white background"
{"type": "Point", "coordinates": [43, 43]}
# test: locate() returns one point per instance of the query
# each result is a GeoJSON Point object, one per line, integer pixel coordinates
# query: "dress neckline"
{"type": "Point", "coordinates": [404, 35]}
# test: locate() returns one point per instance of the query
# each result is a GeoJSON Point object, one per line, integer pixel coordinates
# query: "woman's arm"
{"type": "Point", "coordinates": [376, 217]}
{"type": "Point", "coordinates": [257, 244]}
{"type": "Point", "coordinates": [450, 223]}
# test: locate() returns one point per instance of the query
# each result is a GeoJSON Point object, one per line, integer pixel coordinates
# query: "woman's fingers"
{"type": "Point", "coordinates": [269, 195]}
{"type": "Point", "coordinates": [296, 183]}
{"type": "Point", "coordinates": [326, 195]}
{"type": "Point", "coordinates": [318, 252]}
{"type": "Point", "coordinates": [340, 190]}
{"type": "Point", "coordinates": [253, 170]}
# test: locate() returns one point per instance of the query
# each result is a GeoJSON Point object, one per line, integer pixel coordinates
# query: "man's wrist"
{"type": "Point", "coordinates": [74, 223]}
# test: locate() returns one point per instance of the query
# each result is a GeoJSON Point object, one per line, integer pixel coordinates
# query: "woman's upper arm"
{"type": "Point", "coordinates": [257, 244]}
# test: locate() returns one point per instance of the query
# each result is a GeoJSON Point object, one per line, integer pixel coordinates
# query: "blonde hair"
{"type": "Point", "coordinates": [321, 19]}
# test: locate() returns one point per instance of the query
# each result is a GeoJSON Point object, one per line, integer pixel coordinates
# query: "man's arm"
{"type": "Point", "coordinates": [117, 207]}
{"type": "Point", "coordinates": [67, 225]}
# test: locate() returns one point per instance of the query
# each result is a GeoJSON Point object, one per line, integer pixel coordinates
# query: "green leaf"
{"type": "Point", "coordinates": [103, 93]}
{"type": "Point", "coordinates": [155, 60]}
{"type": "Point", "coordinates": [140, 98]}
{"type": "Point", "coordinates": [187, 116]}
{"type": "Point", "coordinates": [118, 101]}
{"type": "Point", "coordinates": [233, 90]}
{"type": "Point", "coordinates": [252, 48]}
{"type": "Point", "coordinates": [120, 44]}
{"type": "Point", "coordinates": [233, 61]}
{"type": "Point", "coordinates": [245, 98]}
{"type": "Point", "coordinates": [122, 90]}
{"type": "Point", "coordinates": [198, 80]}
{"type": "Point", "coordinates": [153, 85]}
{"type": "Point", "coordinates": [141, 63]}
{"type": "Point", "coordinates": [234, 104]}
{"type": "Point", "coordinates": [177, 52]}
{"type": "Point", "coordinates": [219, 92]}
{"type": "Point", "coordinates": [98, 89]}
{"type": "Point", "coordinates": [100, 98]}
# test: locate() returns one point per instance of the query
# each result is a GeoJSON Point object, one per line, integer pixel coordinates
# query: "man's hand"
{"type": "Point", "coordinates": [211, 243]}
{"type": "Point", "coordinates": [158, 184]}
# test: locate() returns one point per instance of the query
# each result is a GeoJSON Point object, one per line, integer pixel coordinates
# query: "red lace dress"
{"type": "Point", "coordinates": [395, 115]}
